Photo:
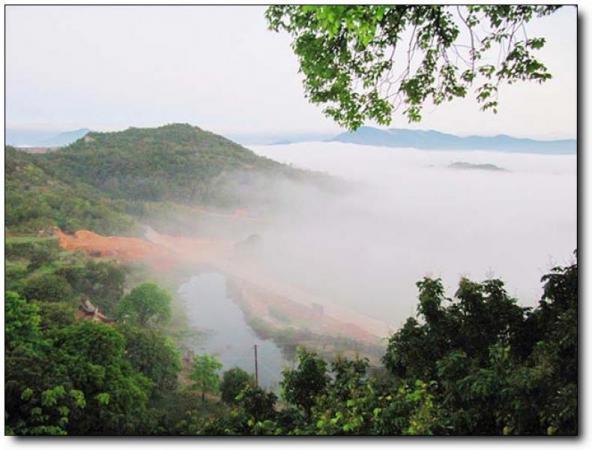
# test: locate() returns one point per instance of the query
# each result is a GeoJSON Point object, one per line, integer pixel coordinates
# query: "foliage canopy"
{"type": "Point", "coordinates": [363, 62]}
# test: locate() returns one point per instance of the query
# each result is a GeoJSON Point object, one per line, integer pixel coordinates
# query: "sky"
{"type": "Point", "coordinates": [220, 68]}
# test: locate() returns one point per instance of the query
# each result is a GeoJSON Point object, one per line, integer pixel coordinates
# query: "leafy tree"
{"type": "Point", "coordinates": [364, 62]}
{"type": "Point", "coordinates": [146, 305]}
{"type": "Point", "coordinates": [33, 405]}
{"type": "Point", "coordinates": [48, 287]}
{"type": "Point", "coordinates": [21, 322]}
{"type": "Point", "coordinates": [154, 355]}
{"type": "Point", "coordinates": [56, 315]}
{"type": "Point", "coordinates": [483, 315]}
{"type": "Point", "coordinates": [257, 403]}
{"type": "Point", "coordinates": [348, 402]}
{"type": "Point", "coordinates": [204, 374]}
{"type": "Point", "coordinates": [233, 382]}
{"type": "Point", "coordinates": [91, 357]}
{"type": "Point", "coordinates": [553, 364]}
{"type": "Point", "coordinates": [491, 366]}
{"type": "Point", "coordinates": [300, 386]}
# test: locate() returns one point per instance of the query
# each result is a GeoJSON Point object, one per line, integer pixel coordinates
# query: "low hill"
{"type": "Point", "coordinates": [435, 140]}
{"type": "Point", "coordinates": [102, 179]}
{"type": "Point", "coordinates": [177, 162]}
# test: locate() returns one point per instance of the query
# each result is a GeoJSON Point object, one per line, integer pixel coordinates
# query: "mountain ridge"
{"type": "Point", "coordinates": [437, 140]}
{"type": "Point", "coordinates": [127, 171]}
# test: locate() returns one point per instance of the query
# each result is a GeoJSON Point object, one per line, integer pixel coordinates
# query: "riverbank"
{"type": "Point", "coordinates": [284, 313]}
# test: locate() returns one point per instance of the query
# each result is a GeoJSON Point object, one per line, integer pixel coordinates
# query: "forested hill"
{"type": "Point", "coordinates": [173, 162]}
{"type": "Point", "coordinates": [36, 200]}
{"type": "Point", "coordinates": [99, 180]}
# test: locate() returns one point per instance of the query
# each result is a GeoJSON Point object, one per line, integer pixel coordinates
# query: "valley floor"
{"type": "Point", "coordinates": [276, 304]}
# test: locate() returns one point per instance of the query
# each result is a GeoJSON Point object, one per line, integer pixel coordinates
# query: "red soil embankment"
{"type": "Point", "coordinates": [126, 249]}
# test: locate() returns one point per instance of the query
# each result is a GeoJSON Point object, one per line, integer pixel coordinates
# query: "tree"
{"type": "Point", "coordinates": [204, 374]}
{"type": "Point", "coordinates": [146, 305]}
{"type": "Point", "coordinates": [302, 385]}
{"type": "Point", "coordinates": [364, 62]}
{"type": "Point", "coordinates": [552, 373]}
{"type": "Point", "coordinates": [485, 365]}
{"type": "Point", "coordinates": [233, 382]}
{"type": "Point", "coordinates": [33, 406]}
{"type": "Point", "coordinates": [74, 379]}
{"type": "Point", "coordinates": [91, 357]}
{"type": "Point", "coordinates": [56, 314]}
{"type": "Point", "coordinates": [21, 322]}
{"type": "Point", "coordinates": [47, 287]}
{"type": "Point", "coordinates": [154, 355]}
{"type": "Point", "coordinates": [257, 404]}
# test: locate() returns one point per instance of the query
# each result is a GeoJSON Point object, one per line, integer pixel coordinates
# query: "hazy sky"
{"type": "Point", "coordinates": [221, 69]}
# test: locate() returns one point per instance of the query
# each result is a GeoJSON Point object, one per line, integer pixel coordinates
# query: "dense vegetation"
{"type": "Point", "coordinates": [104, 182]}
{"type": "Point", "coordinates": [363, 62]}
{"type": "Point", "coordinates": [475, 364]}
{"type": "Point", "coordinates": [481, 365]}
{"type": "Point", "coordinates": [174, 162]}
{"type": "Point", "coordinates": [37, 200]}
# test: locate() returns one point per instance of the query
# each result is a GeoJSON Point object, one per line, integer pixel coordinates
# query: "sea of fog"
{"type": "Point", "coordinates": [410, 215]}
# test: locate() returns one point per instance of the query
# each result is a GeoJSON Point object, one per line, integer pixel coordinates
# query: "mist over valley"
{"type": "Point", "coordinates": [410, 215]}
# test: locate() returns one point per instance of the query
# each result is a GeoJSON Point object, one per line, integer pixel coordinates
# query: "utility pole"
{"type": "Point", "coordinates": [256, 367]}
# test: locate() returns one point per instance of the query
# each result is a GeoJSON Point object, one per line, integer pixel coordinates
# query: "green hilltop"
{"type": "Point", "coordinates": [102, 179]}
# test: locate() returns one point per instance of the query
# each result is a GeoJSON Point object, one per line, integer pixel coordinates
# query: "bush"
{"type": "Point", "coordinates": [233, 382]}
{"type": "Point", "coordinates": [48, 287]}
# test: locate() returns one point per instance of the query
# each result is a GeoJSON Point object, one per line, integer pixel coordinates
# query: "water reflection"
{"type": "Point", "coordinates": [228, 336]}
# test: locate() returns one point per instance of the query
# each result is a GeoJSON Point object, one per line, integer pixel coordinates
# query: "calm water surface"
{"type": "Point", "coordinates": [228, 336]}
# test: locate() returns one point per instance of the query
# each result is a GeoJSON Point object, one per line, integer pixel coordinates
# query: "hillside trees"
{"type": "Point", "coordinates": [146, 305]}
{"type": "Point", "coordinates": [233, 382]}
{"type": "Point", "coordinates": [78, 377]}
{"type": "Point", "coordinates": [204, 373]}
{"type": "Point", "coordinates": [473, 364]}
{"type": "Point", "coordinates": [68, 380]}
{"type": "Point", "coordinates": [302, 385]}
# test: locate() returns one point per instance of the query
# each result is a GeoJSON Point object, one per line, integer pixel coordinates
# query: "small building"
{"type": "Point", "coordinates": [88, 311]}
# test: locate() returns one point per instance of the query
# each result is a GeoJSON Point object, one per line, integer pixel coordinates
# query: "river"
{"type": "Point", "coordinates": [228, 337]}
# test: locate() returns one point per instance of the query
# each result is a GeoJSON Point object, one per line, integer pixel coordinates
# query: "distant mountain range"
{"type": "Point", "coordinates": [435, 140]}
{"type": "Point", "coordinates": [394, 137]}
{"type": "Point", "coordinates": [279, 138]}
{"type": "Point", "coordinates": [36, 138]}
